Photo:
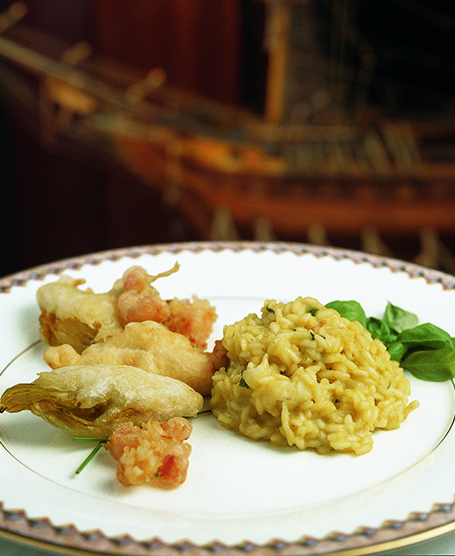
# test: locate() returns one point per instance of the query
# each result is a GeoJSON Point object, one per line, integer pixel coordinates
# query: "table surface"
{"type": "Point", "coordinates": [444, 545]}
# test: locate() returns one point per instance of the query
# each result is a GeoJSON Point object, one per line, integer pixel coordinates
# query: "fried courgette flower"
{"type": "Point", "coordinates": [93, 400]}
{"type": "Point", "coordinates": [149, 346]}
{"type": "Point", "coordinates": [70, 315]}
{"type": "Point", "coordinates": [80, 318]}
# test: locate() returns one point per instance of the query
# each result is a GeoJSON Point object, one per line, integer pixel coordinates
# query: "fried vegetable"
{"type": "Point", "coordinates": [77, 317]}
{"type": "Point", "coordinates": [93, 400]}
{"type": "Point", "coordinates": [149, 346]}
{"type": "Point", "coordinates": [80, 318]}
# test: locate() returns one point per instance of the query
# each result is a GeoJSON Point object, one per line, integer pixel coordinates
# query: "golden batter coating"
{"type": "Point", "coordinates": [149, 346]}
{"type": "Point", "coordinates": [80, 318]}
{"type": "Point", "coordinates": [93, 400]}
{"type": "Point", "coordinates": [70, 315]}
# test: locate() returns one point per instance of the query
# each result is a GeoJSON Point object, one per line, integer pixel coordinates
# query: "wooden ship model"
{"type": "Point", "coordinates": [307, 163]}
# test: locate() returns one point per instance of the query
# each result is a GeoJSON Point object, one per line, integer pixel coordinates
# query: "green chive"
{"type": "Point", "coordinates": [89, 458]}
{"type": "Point", "coordinates": [97, 438]}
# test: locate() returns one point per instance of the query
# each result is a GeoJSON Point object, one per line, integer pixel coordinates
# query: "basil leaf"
{"type": "Point", "coordinates": [425, 350]}
{"type": "Point", "coordinates": [396, 351]}
{"type": "Point", "coordinates": [381, 330]}
{"type": "Point", "coordinates": [351, 310]}
{"type": "Point", "coordinates": [431, 365]}
{"type": "Point", "coordinates": [399, 319]}
{"type": "Point", "coordinates": [425, 336]}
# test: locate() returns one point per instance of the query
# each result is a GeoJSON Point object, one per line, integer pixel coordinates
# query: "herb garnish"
{"type": "Point", "coordinates": [102, 440]}
{"type": "Point", "coordinates": [242, 381]}
{"type": "Point", "coordinates": [92, 454]}
{"type": "Point", "coordinates": [425, 350]}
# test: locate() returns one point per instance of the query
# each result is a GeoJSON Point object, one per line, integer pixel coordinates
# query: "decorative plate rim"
{"type": "Point", "coordinates": [40, 532]}
{"type": "Point", "coordinates": [414, 270]}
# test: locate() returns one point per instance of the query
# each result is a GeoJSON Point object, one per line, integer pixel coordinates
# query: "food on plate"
{"type": "Point", "coordinates": [92, 400]}
{"type": "Point", "coordinates": [140, 301]}
{"type": "Point", "coordinates": [155, 453]}
{"type": "Point", "coordinates": [70, 315]}
{"type": "Point", "coordinates": [73, 316]}
{"type": "Point", "coordinates": [423, 349]}
{"type": "Point", "coordinates": [300, 374]}
{"type": "Point", "coordinates": [149, 346]}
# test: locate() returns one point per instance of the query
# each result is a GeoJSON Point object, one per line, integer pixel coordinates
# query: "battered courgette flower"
{"type": "Point", "coordinates": [92, 400]}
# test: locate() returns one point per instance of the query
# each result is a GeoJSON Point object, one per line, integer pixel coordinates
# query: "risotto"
{"type": "Point", "coordinates": [303, 375]}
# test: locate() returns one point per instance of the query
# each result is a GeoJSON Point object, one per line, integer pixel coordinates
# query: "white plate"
{"type": "Point", "coordinates": [238, 493]}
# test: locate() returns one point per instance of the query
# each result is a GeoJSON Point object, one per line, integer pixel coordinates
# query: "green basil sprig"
{"type": "Point", "coordinates": [425, 350]}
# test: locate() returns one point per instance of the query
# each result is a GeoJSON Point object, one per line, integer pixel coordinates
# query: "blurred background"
{"type": "Point", "coordinates": [324, 121]}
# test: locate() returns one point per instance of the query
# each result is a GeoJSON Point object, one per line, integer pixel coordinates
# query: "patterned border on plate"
{"type": "Point", "coordinates": [413, 270]}
{"type": "Point", "coordinates": [40, 532]}
{"type": "Point", "coordinates": [419, 526]}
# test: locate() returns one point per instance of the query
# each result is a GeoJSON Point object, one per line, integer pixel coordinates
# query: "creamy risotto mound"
{"type": "Point", "coordinates": [302, 375]}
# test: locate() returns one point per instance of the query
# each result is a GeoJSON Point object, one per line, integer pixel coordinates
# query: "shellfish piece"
{"type": "Point", "coordinates": [140, 301]}
{"type": "Point", "coordinates": [80, 318]}
{"type": "Point", "coordinates": [155, 453]}
{"type": "Point", "coordinates": [93, 400]}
